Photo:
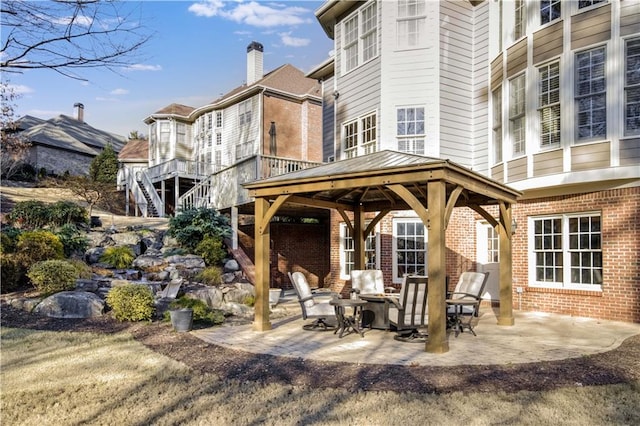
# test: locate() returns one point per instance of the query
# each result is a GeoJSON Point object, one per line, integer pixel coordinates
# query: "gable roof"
{"type": "Point", "coordinates": [136, 150]}
{"type": "Point", "coordinates": [63, 132]}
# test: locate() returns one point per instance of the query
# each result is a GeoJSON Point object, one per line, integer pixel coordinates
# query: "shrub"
{"type": "Point", "coordinates": [36, 246]}
{"type": "Point", "coordinates": [249, 300]}
{"type": "Point", "coordinates": [202, 313]}
{"type": "Point", "coordinates": [52, 276]}
{"type": "Point", "coordinates": [174, 251]}
{"type": "Point", "coordinates": [72, 239]}
{"type": "Point", "coordinates": [191, 226]}
{"type": "Point", "coordinates": [210, 248]}
{"type": "Point", "coordinates": [12, 271]}
{"type": "Point", "coordinates": [211, 275]}
{"type": "Point", "coordinates": [119, 257]}
{"type": "Point", "coordinates": [131, 302]}
{"type": "Point", "coordinates": [84, 270]}
{"type": "Point", "coordinates": [7, 244]}
{"type": "Point", "coordinates": [66, 212]}
{"type": "Point", "coordinates": [30, 214]}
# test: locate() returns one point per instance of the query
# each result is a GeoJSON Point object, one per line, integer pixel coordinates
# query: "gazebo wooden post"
{"type": "Point", "coordinates": [358, 238]}
{"type": "Point", "coordinates": [262, 241]}
{"type": "Point", "coordinates": [506, 272]}
{"type": "Point", "coordinates": [436, 267]}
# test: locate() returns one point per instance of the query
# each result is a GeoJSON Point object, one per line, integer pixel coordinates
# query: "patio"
{"type": "Point", "coordinates": [534, 337]}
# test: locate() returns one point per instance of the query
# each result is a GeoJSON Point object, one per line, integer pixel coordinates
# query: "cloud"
{"type": "Point", "coordinates": [287, 40]}
{"type": "Point", "coordinates": [253, 13]}
{"type": "Point", "coordinates": [103, 99]}
{"type": "Point", "coordinates": [143, 67]}
{"type": "Point", "coordinates": [119, 92]}
{"type": "Point", "coordinates": [20, 89]}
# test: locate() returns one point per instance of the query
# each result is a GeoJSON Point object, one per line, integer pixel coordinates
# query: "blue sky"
{"type": "Point", "coordinates": [197, 53]}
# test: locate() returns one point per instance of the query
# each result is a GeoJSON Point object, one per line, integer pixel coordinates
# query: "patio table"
{"type": "Point", "coordinates": [375, 314]}
{"type": "Point", "coordinates": [348, 323]}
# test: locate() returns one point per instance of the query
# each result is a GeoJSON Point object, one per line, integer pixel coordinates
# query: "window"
{"type": "Point", "coordinates": [218, 119]}
{"type": "Point", "coordinates": [360, 37]}
{"type": "Point", "coordinates": [567, 251]}
{"type": "Point", "coordinates": [586, 3]}
{"type": "Point", "coordinates": [591, 85]}
{"type": "Point", "coordinates": [347, 252]}
{"type": "Point", "coordinates": [550, 10]}
{"type": "Point", "coordinates": [218, 139]}
{"type": "Point", "coordinates": [218, 159]}
{"type": "Point", "coordinates": [497, 124]}
{"type": "Point", "coordinates": [517, 128]}
{"type": "Point", "coordinates": [165, 132]}
{"type": "Point", "coordinates": [360, 136]}
{"type": "Point", "coordinates": [410, 248]}
{"type": "Point", "coordinates": [244, 112]}
{"type": "Point", "coordinates": [244, 150]}
{"type": "Point", "coordinates": [632, 88]}
{"type": "Point", "coordinates": [549, 104]}
{"type": "Point", "coordinates": [208, 121]}
{"type": "Point", "coordinates": [410, 130]}
{"type": "Point", "coordinates": [412, 19]}
{"type": "Point", "coordinates": [520, 20]}
{"type": "Point", "coordinates": [493, 245]}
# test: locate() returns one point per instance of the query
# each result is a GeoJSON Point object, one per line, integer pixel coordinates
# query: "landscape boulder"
{"type": "Point", "coordinates": [71, 304]}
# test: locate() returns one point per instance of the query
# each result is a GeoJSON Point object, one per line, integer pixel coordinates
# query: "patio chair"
{"type": "Point", "coordinates": [313, 306]}
{"type": "Point", "coordinates": [408, 313]}
{"type": "Point", "coordinates": [465, 300]}
{"type": "Point", "coordinates": [368, 281]}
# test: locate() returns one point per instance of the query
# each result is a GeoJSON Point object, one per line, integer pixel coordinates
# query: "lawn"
{"type": "Point", "coordinates": [70, 378]}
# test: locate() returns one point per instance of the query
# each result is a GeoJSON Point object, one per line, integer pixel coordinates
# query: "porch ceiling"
{"type": "Point", "coordinates": [366, 181]}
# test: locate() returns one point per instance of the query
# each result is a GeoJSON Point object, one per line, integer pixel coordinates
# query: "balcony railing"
{"type": "Point", "coordinates": [183, 168]}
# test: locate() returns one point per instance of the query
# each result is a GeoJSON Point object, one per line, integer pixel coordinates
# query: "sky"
{"type": "Point", "coordinates": [197, 53]}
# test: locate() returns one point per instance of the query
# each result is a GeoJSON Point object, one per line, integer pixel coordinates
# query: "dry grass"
{"type": "Point", "coordinates": [61, 378]}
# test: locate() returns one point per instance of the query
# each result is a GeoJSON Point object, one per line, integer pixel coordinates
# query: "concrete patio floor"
{"type": "Point", "coordinates": [534, 337]}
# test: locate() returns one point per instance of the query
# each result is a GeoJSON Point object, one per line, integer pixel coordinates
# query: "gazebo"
{"type": "Point", "coordinates": [383, 182]}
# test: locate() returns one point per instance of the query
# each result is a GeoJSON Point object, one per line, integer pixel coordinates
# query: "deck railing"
{"type": "Point", "coordinates": [183, 168]}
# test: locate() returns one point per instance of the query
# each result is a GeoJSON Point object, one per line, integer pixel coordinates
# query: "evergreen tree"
{"type": "Point", "coordinates": [104, 168]}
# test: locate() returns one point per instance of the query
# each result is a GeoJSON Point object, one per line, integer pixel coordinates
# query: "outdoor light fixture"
{"type": "Point", "coordinates": [514, 226]}
{"type": "Point", "coordinates": [336, 94]}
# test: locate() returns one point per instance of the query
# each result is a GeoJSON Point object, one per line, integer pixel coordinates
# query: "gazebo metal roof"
{"type": "Point", "coordinates": [382, 182]}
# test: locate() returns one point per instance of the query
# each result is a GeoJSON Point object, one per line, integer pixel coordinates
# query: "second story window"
{"type": "Point", "coordinates": [208, 121]}
{"type": "Point", "coordinates": [549, 104]}
{"type": "Point", "coordinates": [410, 130]}
{"type": "Point", "coordinates": [412, 19]}
{"type": "Point", "coordinates": [496, 97]}
{"type": "Point", "coordinates": [360, 136]}
{"type": "Point", "coordinates": [244, 112]}
{"type": "Point", "coordinates": [165, 132]}
{"type": "Point", "coordinates": [360, 37]}
{"type": "Point", "coordinates": [517, 129]}
{"type": "Point", "coordinates": [181, 133]}
{"type": "Point", "coordinates": [586, 3]}
{"type": "Point", "coordinates": [591, 85]}
{"type": "Point", "coordinates": [519, 29]}
{"type": "Point", "coordinates": [550, 10]}
{"type": "Point", "coordinates": [218, 139]}
{"type": "Point", "coordinates": [632, 88]}
{"type": "Point", "coordinates": [218, 119]}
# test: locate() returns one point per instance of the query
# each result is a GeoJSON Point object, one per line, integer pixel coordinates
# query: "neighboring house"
{"type": "Point", "coordinates": [65, 144]}
{"type": "Point", "coordinates": [541, 96]}
{"type": "Point", "coordinates": [201, 156]}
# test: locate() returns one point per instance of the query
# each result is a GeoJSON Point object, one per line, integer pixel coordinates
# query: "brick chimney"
{"type": "Point", "coordinates": [79, 110]}
{"type": "Point", "coordinates": [254, 62]}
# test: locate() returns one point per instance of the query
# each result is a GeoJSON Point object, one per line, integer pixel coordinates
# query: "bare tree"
{"type": "Point", "coordinates": [68, 35]}
{"type": "Point", "coordinates": [14, 148]}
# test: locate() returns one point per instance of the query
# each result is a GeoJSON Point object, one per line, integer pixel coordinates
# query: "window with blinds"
{"type": "Point", "coordinates": [632, 88]}
{"type": "Point", "coordinates": [590, 91]}
{"type": "Point", "coordinates": [549, 104]}
{"type": "Point", "coordinates": [517, 129]}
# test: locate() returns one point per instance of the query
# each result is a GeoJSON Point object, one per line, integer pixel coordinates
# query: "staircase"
{"type": "Point", "coordinates": [151, 208]}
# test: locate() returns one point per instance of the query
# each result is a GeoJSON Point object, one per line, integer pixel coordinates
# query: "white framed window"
{"type": "Point", "coordinates": [411, 24]}
{"type": "Point", "coordinates": [209, 124]}
{"type": "Point", "coordinates": [218, 139]}
{"type": "Point", "coordinates": [590, 92]}
{"type": "Point", "coordinates": [218, 159]}
{"type": "Point", "coordinates": [360, 136]}
{"type": "Point", "coordinates": [209, 141]}
{"type": "Point", "coordinates": [588, 3]}
{"type": "Point", "coordinates": [410, 130]}
{"type": "Point", "coordinates": [244, 150]}
{"type": "Point", "coordinates": [181, 133]}
{"type": "Point", "coordinates": [244, 112]}
{"type": "Point", "coordinates": [409, 248]}
{"type": "Point", "coordinates": [550, 10]}
{"type": "Point", "coordinates": [496, 127]}
{"type": "Point", "coordinates": [347, 251]}
{"type": "Point", "coordinates": [549, 104]}
{"type": "Point", "coordinates": [360, 37]}
{"type": "Point", "coordinates": [566, 251]}
{"type": "Point", "coordinates": [517, 116]}
{"type": "Point", "coordinates": [519, 29]}
{"type": "Point", "coordinates": [165, 132]}
{"type": "Point", "coordinates": [632, 87]}
{"type": "Point", "coordinates": [218, 119]}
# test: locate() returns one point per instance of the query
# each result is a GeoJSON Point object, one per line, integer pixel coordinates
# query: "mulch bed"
{"type": "Point", "coordinates": [621, 365]}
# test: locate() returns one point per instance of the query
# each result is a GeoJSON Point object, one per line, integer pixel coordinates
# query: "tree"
{"type": "Point", "coordinates": [135, 135]}
{"type": "Point", "coordinates": [14, 149]}
{"type": "Point", "coordinates": [88, 190]}
{"type": "Point", "coordinates": [68, 35]}
{"type": "Point", "coordinates": [104, 167]}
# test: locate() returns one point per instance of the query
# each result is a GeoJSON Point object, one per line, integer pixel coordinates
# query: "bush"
{"type": "Point", "coordinates": [249, 301]}
{"type": "Point", "coordinates": [211, 275]}
{"type": "Point", "coordinates": [131, 302]}
{"type": "Point", "coordinates": [37, 246]}
{"type": "Point", "coordinates": [119, 257]}
{"type": "Point", "coordinates": [202, 313]}
{"type": "Point", "coordinates": [174, 251]}
{"type": "Point", "coordinates": [52, 276]}
{"type": "Point", "coordinates": [210, 248]}
{"type": "Point", "coordinates": [72, 239]}
{"type": "Point", "coordinates": [84, 270]}
{"type": "Point", "coordinates": [30, 214]}
{"type": "Point", "coordinates": [191, 226]}
{"type": "Point", "coordinates": [12, 271]}
{"type": "Point", "coordinates": [66, 212]}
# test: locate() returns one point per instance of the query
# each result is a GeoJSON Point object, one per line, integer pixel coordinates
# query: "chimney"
{"type": "Point", "coordinates": [79, 110]}
{"type": "Point", "coordinates": [254, 62]}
